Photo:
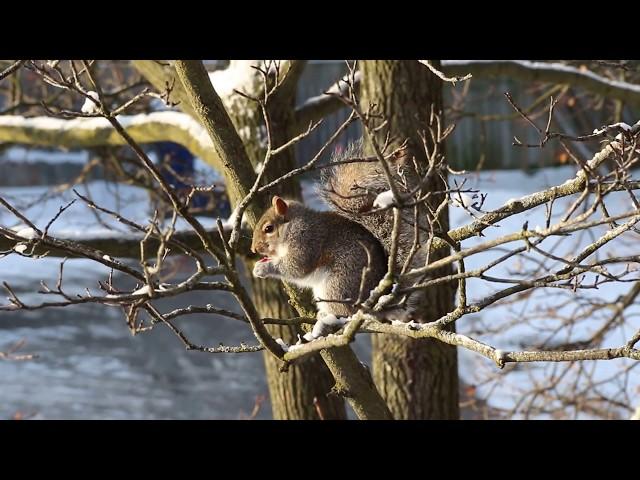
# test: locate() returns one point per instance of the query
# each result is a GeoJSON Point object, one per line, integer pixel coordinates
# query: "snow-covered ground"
{"type": "Point", "coordinates": [501, 186]}
{"type": "Point", "coordinates": [502, 325]}
{"type": "Point", "coordinates": [79, 221]}
{"type": "Point", "coordinates": [89, 365]}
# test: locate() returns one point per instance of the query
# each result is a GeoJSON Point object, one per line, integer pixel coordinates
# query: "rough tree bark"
{"type": "Point", "coordinates": [417, 378]}
{"type": "Point", "coordinates": [292, 393]}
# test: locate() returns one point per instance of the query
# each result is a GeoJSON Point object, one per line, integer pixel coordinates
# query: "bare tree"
{"type": "Point", "coordinates": [568, 257]}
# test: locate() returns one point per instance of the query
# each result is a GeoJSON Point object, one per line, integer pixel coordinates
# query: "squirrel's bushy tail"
{"type": "Point", "coordinates": [351, 188]}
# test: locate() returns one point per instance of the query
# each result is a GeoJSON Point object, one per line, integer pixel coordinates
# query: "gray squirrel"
{"type": "Point", "coordinates": [327, 251]}
{"type": "Point", "coordinates": [323, 251]}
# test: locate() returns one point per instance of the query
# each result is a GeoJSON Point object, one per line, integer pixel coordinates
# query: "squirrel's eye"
{"type": "Point", "coordinates": [268, 229]}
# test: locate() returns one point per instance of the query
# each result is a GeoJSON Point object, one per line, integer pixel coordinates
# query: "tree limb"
{"type": "Point", "coordinates": [545, 72]}
{"type": "Point", "coordinates": [91, 132]}
{"type": "Point", "coordinates": [160, 76]}
{"type": "Point", "coordinates": [318, 107]}
{"type": "Point", "coordinates": [315, 108]}
{"type": "Point", "coordinates": [235, 165]}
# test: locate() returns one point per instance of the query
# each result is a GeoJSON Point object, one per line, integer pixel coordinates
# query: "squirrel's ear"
{"type": "Point", "coordinates": [280, 206]}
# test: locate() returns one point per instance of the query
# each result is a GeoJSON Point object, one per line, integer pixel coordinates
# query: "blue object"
{"type": "Point", "coordinates": [181, 162]}
{"type": "Point", "coordinates": [179, 159]}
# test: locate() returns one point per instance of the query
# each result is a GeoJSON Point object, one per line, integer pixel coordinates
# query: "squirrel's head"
{"type": "Point", "coordinates": [268, 232]}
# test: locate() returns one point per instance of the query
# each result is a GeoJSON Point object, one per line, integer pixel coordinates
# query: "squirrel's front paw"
{"type": "Point", "coordinates": [262, 269]}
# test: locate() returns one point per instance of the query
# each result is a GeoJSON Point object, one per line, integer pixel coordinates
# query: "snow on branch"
{"type": "Point", "coordinates": [442, 76]}
{"type": "Point", "coordinates": [240, 75]}
{"type": "Point", "coordinates": [244, 76]}
{"type": "Point", "coordinates": [95, 131]}
{"type": "Point", "coordinates": [317, 107]}
{"type": "Point", "coordinates": [552, 72]}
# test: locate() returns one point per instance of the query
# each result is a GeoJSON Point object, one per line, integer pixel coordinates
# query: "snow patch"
{"type": "Point", "coordinates": [384, 299]}
{"type": "Point", "coordinates": [325, 322]}
{"type": "Point", "coordinates": [20, 247]}
{"type": "Point", "coordinates": [142, 291]}
{"type": "Point", "coordinates": [25, 232]}
{"type": "Point", "coordinates": [411, 325]}
{"type": "Point", "coordinates": [338, 88]}
{"type": "Point", "coordinates": [624, 126]}
{"type": "Point", "coordinates": [548, 66]}
{"type": "Point", "coordinates": [284, 346]}
{"type": "Point", "coordinates": [239, 75]}
{"type": "Point", "coordinates": [293, 348]}
{"type": "Point", "coordinates": [89, 105]}
{"type": "Point", "coordinates": [383, 200]}
{"type": "Point", "coordinates": [180, 120]}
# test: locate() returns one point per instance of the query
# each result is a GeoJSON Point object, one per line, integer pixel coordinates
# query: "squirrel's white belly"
{"type": "Point", "coordinates": [317, 281]}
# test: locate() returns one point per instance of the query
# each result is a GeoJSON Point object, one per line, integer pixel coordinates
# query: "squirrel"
{"type": "Point", "coordinates": [328, 251]}
{"type": "Point", "coordinates": [323, 251]}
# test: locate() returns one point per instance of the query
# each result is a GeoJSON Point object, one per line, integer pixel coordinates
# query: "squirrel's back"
{"type": "Point", "coordinates": [337, 233]}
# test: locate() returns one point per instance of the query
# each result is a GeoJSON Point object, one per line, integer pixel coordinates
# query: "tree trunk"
{"type": "Point", "coordinates": [353, 381]}
{"type": "Point", "coordinates": [293, 393]}
{"type": "Point", "coordinates": [239, 119]}
{"type": "Point", "coordinates": [417, 378]}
